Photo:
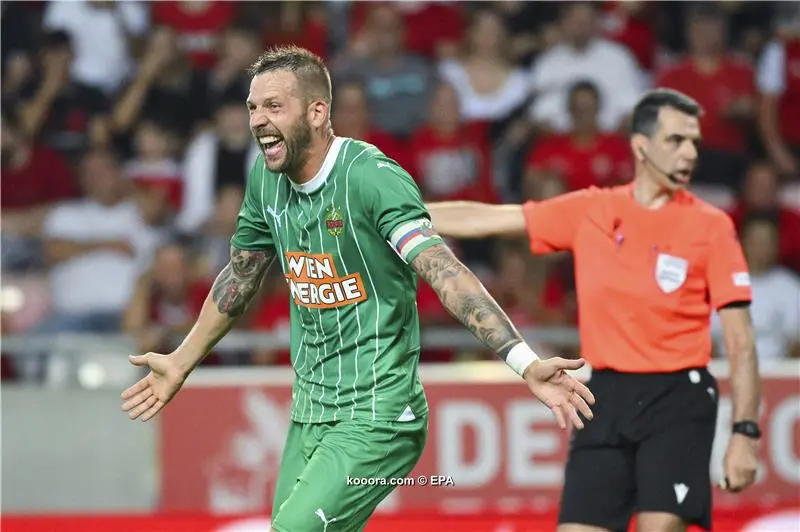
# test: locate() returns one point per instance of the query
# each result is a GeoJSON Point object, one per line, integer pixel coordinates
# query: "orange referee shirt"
{"type": "Point", "coordinates": [647, 279]}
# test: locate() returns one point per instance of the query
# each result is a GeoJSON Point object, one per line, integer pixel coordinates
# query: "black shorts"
{"type": "Point", "coordinates": [648, 449]}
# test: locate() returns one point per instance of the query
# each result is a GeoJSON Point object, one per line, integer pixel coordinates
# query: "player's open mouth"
{"type": "Point", "coordinates": [271, 143]}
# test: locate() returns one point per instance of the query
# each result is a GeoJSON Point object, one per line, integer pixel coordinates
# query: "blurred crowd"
{"type": "Point", "coordinates": [125, 141]}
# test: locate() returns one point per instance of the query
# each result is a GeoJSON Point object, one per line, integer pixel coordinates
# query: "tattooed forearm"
{"type": "Point", "coordinates": [238, 282]}
{"type": "Point", "coordinates": [463, 295]}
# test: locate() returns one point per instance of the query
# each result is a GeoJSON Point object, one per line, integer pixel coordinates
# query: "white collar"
{"type": "Point", "coordinates": [318, 180]}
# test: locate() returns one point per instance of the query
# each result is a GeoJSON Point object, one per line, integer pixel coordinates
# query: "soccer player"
{"type": "Point", "coordinates": [351, 234]}
{"type": "Point", "coordinates": [651, 263]}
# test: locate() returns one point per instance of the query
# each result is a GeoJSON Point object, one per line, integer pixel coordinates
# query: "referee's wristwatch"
{"type": "Point", "coordinates": [747, 428]}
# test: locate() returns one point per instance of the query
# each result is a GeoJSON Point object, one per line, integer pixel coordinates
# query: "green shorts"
{"type": "Point", "coordinates": [333, 475]}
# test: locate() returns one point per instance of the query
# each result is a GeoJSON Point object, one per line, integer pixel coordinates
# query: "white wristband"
{"type": "Point", "coordinates": [520, 357]}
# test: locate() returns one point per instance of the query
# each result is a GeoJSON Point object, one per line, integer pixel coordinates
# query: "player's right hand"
{"type": "Point", "coordinates": [147, 397]}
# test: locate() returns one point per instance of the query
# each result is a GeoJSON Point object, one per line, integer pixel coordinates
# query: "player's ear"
{"type": "Point", "coordinates": [318, 113]}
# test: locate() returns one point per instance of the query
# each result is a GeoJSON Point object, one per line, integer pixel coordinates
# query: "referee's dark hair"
{"type": "Point", "coordinates": [312, 75]}
{"type": "Point", "coordinates": [645, 115]}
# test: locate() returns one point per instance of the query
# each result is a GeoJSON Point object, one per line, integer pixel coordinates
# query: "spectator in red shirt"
{"type": "Point", "coordinates": [59, 112]}
{"type": "Point", "coordinates": [165, 301]}
{"type": "Point", "coordinates": [585, 157]}
{"type": "Point", "coordinates": [451, 159]}
{"type": "Point", "coordinates": [433, 29]}
{"type": "Point", "coordinates": [198, 25]}
{"type": "Point", "coordinates": [302, 24]}
{"type": "Point", "coordinates": [630, 23]}
{"type": "Point", "coordinates": [34, 178]}
{"type": "Point", "coordinates": [351, 119]}
{"type": "Point", "coordinates": [557, 303]}
{"type": "Point", "coordinates": [723, 84]}
{"type": "Point", "coordinates": [760, 197]}
{"type": "Point", "coordinates": [155, 165]}
{"type": "Point", "coordinates": [779, 85]}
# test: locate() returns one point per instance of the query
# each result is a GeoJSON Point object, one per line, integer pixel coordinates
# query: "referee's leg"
{"type": "Point", "coordinates": [600, 475]}
{"type": "Point", "coordinates": [599, 490]}
{"type": "Point", "coordinates": [674, 486]}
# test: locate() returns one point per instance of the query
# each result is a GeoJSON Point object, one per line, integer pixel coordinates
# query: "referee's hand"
{"type": "Point", "coordinates": [740, 463]}
{"type": "Point", "coordinates": [565, 396]}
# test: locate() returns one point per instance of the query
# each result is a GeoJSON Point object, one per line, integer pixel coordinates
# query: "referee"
{"type": "Point", "coordinates": [651, 263]}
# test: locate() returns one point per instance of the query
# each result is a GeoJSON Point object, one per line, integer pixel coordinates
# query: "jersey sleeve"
{"type": "Point", "coordinates": [551, 224]}
{"type": "Point", "coordinates": [394, 205]}
{"type": "Point", "coordinates": [252, 231]}
{"type": "Point", "coordinates": [728, 277]}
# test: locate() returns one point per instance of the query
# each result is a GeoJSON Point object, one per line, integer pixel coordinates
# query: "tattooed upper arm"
{"type": "Point", "coordinates": [238, 282]}
{"type": "Point", "coordinates": [463, 295]}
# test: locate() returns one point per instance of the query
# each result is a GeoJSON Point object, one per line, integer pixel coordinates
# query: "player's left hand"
{"type": "Point", "coordinates": [740, 464]}
{"type": "Point", "coordinates": [565, 396]}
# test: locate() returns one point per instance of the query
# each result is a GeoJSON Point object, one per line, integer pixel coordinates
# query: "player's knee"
{"type": "Point", "coordinates": [575, 527]}
{"type": "Point", "coordinates": [659, 522]}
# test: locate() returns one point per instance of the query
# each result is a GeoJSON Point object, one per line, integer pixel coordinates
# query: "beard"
{"type": "Point", "coordinates": [296, 144]}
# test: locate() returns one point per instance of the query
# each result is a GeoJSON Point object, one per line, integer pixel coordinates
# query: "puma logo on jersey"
{"type": "Point", "coordinates": [275, 215]}
{"type": "Point", "coordinates": [315, 283]}
{"type": "Point", "coordinates": [384, 165]}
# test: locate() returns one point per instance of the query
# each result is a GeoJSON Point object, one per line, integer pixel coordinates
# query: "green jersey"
{"type": "Point", "coordinates": [345, 240]}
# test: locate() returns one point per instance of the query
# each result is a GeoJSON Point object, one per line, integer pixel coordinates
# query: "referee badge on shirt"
{"type": "Point", "coordinates": [670, 272]}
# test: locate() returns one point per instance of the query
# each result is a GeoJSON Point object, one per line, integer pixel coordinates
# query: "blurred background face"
{"type": "Point", "coordinates": [487, 34]}
{"type": "Point", "coordinates": [350, 116]}
{"type": "Point", "coordinates": [153, 203]}
{"type": "Point", "coordinates": [153, 142]}
{"type": "Point", "coordinates": [385, 27]}
{"type": "Point", "coordinates": [583, 109]}
{"type": "Point", "coordinates": [59, 54]}
{"type": "Point", "coordinates": [760, 245]}
{"type": "Point", "coordinates": [761, 188]}
{"type": "Point", "coordinates": [232, 124]}
{"type": "Point", "coordinates": [169, 270]}
{"type": "Point", "coordinates": [101, 177]}
{"type": "Point", "coordinates": [445, 109]}
{"type": "Point", "coordinates": [239, 47]}
{"type": "Point", "coordinates": [578, 23]}
{"type": "Point", "coordinates": [706, 35]}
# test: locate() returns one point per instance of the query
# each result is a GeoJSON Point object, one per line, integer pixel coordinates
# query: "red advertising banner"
{"type": "Point", "coordinates": [741, 520]}
{"type": "Point", "coordinates": [491, 448]}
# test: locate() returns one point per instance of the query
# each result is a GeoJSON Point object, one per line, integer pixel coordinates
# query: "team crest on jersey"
{"type": "Point", "coordinates": [671, 272]}
{"type": "Point", "coordinates": [334, 222]}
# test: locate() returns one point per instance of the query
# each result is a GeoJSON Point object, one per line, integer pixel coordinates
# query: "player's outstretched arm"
{"type": "Point", "coordinates": [231, 293]}
{"type": "Point", "coordinates": [471, 219]}
{"type": "Point", "coordinates": [463, 295]}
